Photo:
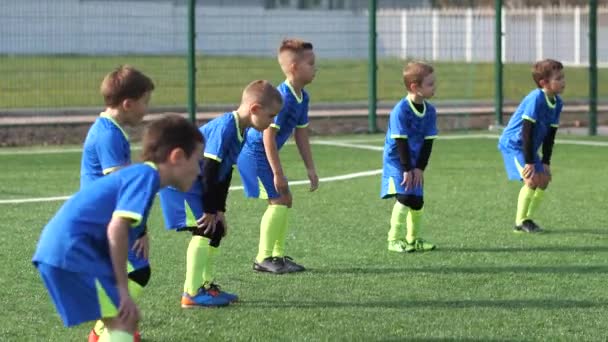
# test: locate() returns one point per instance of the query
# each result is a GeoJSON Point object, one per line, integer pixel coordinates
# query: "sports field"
{"type": "Point", "coordinates": [483, 283]}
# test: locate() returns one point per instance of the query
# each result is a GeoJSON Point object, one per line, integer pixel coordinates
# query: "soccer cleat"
{"type": "Point", "coordinates": [528, 226]}
{"type": "Point", "coordinates": [291, 266]}
{"type": "Point", "coordinates": [215, 290]}
{"type": "Point", "coordinates": [400, 246]}
{"type": "Point", "coordinates": [271, 265]}
{"type": "Point", "coordinates": [419, 245]}
{"type": "Point", "coordinates": [203, 299]}
{"type": "Point", "coordinates": [93, 337]}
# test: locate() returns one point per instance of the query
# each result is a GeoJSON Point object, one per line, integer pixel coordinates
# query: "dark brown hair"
{"type": "Point", "coordinates": [415, 72]}
{"type": "Point", "coordinates": [163, 135]}
{"type": "Point", "coordinates": [543, 70]}
{"type": "Point", "coordinates": [125, 82]}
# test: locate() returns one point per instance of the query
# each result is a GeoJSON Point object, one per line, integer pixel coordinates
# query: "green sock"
{"type": "Point", "coordinates": [115, 336]}
{"type": "Point", "coordinates": [196, 260]}
{"type": "Point", "coordinates": [414, 221]}
{"type": "Point", "coordinates": [135, 290]}
{"type": "Point", "coordinates": [99, 327]}
{"type": "Point", "coordinates": [279, 244]}
{"type": "Point", "coordinates": [272, 223]}
{"type": "Point", "coordinates": [397, 231]}
{"type": "Point", "coordinates": [209, 270]}
{"type": "Point", "coordinates": [535, 202]}
{"type": "Point", "coordinates": [523, 203]}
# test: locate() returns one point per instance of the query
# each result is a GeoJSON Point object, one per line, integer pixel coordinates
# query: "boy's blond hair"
{"type": "Point", "coordinates": [291, 50]}
{"type": "Point", "coordinates": [543, 70]}
{"type": "Point", "coordinates": [262, 92]}
{"type": "Point", "coordinates": [125, 82]}
{"type": "Point", "coordinates": [415, 72]}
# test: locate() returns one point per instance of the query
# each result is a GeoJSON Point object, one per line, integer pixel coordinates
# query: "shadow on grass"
{"type": "Point", "coordinates": [531, 249]}
{"type": "Point", "coordinates": [584, 231]}
{"type": "Point", "coordinates": [546, 304]}
{"type": "Point", "coordinates": [564, 269]}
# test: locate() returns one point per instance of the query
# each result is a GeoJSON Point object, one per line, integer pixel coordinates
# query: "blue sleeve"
{"type": "Point", "coordinates": [136, 194]}
{"type": "Point", "coordinates": [113, 151]}
{"type": "Point", "coordinates": [283, 117]}
{"type": "Point", "coordinates": [216, 144]}
{"type": "Point", "coordinates": [303, 118]}
{"type": "Point", "coordinates": [397, 122]}
{"type": "Point", "coordinates": [431, 126]}
{"type": "Point", "coordinates": [530, 107]}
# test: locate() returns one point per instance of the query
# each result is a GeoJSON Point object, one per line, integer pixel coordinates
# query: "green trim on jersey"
{"type": "Point", "coordinates": [107, 116]}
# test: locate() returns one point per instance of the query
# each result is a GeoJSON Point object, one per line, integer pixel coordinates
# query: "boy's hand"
{"type": "Point", "coordinates": [280, 183]}
{"type": "Point", "coordinates": [528, 171]}
{"type": "Point", "coordinates": [412, 179]}
{"type": "Point", "coordinates": [127, 311]}
{"type": "Point", "coordinates": [314, 179]}
{"type": "Point", "coordinates": [207, 223]}
{"type": "Point", "coordinates": [141, 247]}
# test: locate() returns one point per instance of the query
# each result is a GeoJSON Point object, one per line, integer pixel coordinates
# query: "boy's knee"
{"type": "Point", "coordinates": [116, 323]}
{"type": "Point", "coordinates": [141, 276]}
{"type": "Point", "coordinates": [413, 202]}
{"type": "Point", "coordinates": [285, 200]}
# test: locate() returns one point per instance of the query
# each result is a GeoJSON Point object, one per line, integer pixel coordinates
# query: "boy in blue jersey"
{"type": "Point", "coordinates": [202, 209]}
{"type": "Point", "coordinates": [409, 141]}
{"type": "Point", "coordinates": [533, 124]}
{"type": "Point", "coordinates": [260, 166]}
{"type": "Point", "coordinates": [126, 92]}
{"type": "Point", "coordinates": [82, 251]}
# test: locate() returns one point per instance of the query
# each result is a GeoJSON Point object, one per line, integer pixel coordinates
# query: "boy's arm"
{"type": "Point", "coordinates": [548, 145]}
{"type": "Point", "coordinates": [526, 138]}
{"type": "Point", "coordinates": [118, 242]}
{"type": "Point", "coordinates": [425, 154]}
{"type": "Point", "coordinates": [272, 152]}
{"type": "Point", "coordinates": [214, 195]}
{"type": "Point", "coordinates": [303, 143]}
{"type": "Point", "coordinates": [211, 187]}
{"type": "Point", "coordinates": [403, 147]}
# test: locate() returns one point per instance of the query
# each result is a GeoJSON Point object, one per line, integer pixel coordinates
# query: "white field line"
{"type": "Point", "coordinates": [232, 188]}
{"type": "Point", "coordinates": [341, 143]}
{"type": "Point", "coordinates": [327, 179]}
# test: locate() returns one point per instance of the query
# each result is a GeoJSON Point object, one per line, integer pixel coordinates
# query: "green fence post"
{"type": "Point", "coordinates": [592, 67]}
{"type": "Point", "coordinates": [192, 60]}
{"type": "Point", "coordinates": [372, 70]}
{"type": "Point", "coordinates": [498, 66]}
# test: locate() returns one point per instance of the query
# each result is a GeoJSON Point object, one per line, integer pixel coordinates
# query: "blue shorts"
{"type": "Point", "coordinates": [180, 209]}
{"type": "Point", "coordinates": [515, 162]}
{"type": "Point", "coordinates": [391, 186]}
{"type": "Point", "coordinates": [135, 262]}
{"type": "Point", "coordinates": [257, 176]}
{"type": "Point", "coordinates": [80, 297]}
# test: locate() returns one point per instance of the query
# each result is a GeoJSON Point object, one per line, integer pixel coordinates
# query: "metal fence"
{"type": "Point", "coordinates": [53, 54]}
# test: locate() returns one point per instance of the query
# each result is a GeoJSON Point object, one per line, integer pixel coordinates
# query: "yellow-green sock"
{"type": "Point", "coordinates": [99, 328]}
{"type": "Point", "coordinates": [279, 244]}
{"type": "Point", "coordinates": [135, 290]}
{"type": "Point", "coordinates": [271, 224]}
{"type": "Point", "coordinates": [414, 222]}
{"type": "Point", "coordinates": [523, 203]}
{"type": "Point", "coordinates": [398, 217]}
{"type": "Point", "coordinates": [115, 336]}
{"type": "Point", "coordinates": [196, 261]}
{"type": "Point", "coordinates": [209, 270]}
{"type": "Point", "coordinates": [539, 194]}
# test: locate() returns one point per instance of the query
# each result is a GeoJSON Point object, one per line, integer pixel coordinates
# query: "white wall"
{"type": "Point", "coordinates": [136, 27]}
